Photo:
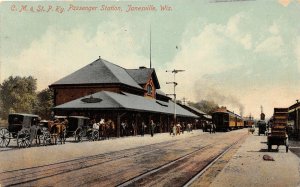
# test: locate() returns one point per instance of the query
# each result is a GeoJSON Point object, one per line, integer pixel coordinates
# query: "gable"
{"type": "Point", "coordinates": [143, 75]}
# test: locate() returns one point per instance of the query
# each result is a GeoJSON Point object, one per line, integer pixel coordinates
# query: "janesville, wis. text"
{"type": "Point", "coordinates": [52, 8]}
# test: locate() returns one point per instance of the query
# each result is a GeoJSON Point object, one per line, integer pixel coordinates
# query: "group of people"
{"type": "Point", "coordinates": [179, 128]}
{"type": "Point", "coordinates": [132, 128]}
{"type": "Point", "coordinates": [127, 130]}
{"type": "Point", "coordinates": [211, 127]}
{"type": "Point", "coordinates": [106, 128]}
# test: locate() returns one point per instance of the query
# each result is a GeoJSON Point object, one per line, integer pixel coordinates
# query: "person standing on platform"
{"type": "Point", "coordinates": [152, 127]}
{"type": "Point", "coordinates": [143, 128]}
{"type": "Point", "coordinates": [171, 128]}
{"type": "Point", "coordinates": [174, 129]}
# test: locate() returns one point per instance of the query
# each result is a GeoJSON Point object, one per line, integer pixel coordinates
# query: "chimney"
{"type": "Point", "coordinates": [142, 67]}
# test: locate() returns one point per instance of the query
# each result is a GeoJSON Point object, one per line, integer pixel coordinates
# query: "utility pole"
{"type": "Point", "coordinates": [174, 87]}
{"type": "Point", "coordinates": [150, 48]}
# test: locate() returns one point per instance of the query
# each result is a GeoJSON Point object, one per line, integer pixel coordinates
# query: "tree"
{"type": "Point", "coordinates": [205, 106]}
{"type": "Point", "coordinates": [18, 94]}
{"type": "Point", "coordinates": [44, 103]}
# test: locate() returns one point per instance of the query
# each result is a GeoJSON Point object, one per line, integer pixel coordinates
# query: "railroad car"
{"type": "Point", "coordinates": [248, 122]}
{"type": "Point", "coordinates": [226, 120]}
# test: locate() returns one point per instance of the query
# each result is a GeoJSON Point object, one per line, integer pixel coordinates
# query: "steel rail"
{"type": "Point", "coordinates": [200, 173]}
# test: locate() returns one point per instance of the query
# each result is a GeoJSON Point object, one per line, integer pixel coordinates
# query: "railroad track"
{"type": "Point", "coordinates": [133, 181]}
{"type": "Point", "coordinates": [202, 171]}
{"type": "Point", "coordinates": [149, 178]}
{"type": "Point", "coordinates": [28, 175]}
{"type": "Point", "coordinates": [34, 175]}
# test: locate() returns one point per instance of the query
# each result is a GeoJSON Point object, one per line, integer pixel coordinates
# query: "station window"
{"type": "Point", "coordinates": [149, 89]}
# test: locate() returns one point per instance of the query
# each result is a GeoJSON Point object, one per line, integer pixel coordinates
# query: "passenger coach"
{"type": "Point", "coordinates": [226, 120]}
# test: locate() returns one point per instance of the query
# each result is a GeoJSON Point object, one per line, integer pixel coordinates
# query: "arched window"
{"type": "Point", "coordinates": [149, 89]}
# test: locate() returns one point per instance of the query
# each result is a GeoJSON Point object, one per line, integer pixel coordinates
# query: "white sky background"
{"type": "Point", "coordinates": [239, 54]}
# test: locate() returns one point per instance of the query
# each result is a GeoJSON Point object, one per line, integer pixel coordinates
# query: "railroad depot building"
{"type": "Point", "coordinates": [202, 119]}
{"type": "Point", "coordinates": [105, 90]}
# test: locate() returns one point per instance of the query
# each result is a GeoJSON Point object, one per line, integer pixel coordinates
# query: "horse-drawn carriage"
{"type": "Point", "coordinates": [80, 127]}
{"type": "Point", "coordinates": [63, 127]}
{"type": "Point", "coordinates": [24, 128]}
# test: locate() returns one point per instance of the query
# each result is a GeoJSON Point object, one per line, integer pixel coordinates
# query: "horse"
{"type": "Point", "coordinates": [109, 128]}
{"type": "Point", "coordinates": [57, 130]}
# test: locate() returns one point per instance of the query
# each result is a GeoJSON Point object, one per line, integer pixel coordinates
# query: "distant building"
{"type": "Point", "coordinates": [294, 119]}
{"type": "Point", "coordinates": [105, 90]}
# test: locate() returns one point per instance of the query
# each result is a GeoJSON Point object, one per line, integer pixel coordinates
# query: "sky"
{"type": "Point", "coordinates": [240, 54]}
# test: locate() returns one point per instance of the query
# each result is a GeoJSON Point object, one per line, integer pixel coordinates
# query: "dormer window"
{"type": "Point", "coordinates": [149, 89]}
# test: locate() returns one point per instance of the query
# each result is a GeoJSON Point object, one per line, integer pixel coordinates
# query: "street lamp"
{"type": "Point", "coordinates": [174, 93]}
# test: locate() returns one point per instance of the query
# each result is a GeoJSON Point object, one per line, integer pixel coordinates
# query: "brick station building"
{"type": "Point", "coordinates": [102, 89]}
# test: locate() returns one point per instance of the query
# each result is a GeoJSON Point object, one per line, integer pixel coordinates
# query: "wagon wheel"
{"type": "Point", "coordinates": [62, 137]}
{"type": "Point", "coordinates": [45, 137]}
{"type": "Point", "coordinates": [286, 145]}
{"type": "Point", "coordinates": [269, 147]}
{"type": "Point", "coordinates": [78, 135]}
{"type": "Point", "coordinates": [4, 137]}
{"type": "Point", "coordinates": [95, 135]}
{"type": "Point", "coordinates": [89, 134]}
{"type": "Point", "coordinates": [23, 139]}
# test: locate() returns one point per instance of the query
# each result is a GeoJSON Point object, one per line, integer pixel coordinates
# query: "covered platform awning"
{"type": "Point", "coordinates": [194, 110]}
{"type": "Point", "coordinates": [106, 100]}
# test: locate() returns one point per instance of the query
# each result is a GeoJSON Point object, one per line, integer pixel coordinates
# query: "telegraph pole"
{"type": "Point", "coordinates": [150, 48]}
{"type": "Point", "coordinates": [174, 89]}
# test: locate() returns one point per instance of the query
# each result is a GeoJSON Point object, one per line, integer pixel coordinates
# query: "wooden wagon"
{"type": "Point", "coordinates": [278, 135]}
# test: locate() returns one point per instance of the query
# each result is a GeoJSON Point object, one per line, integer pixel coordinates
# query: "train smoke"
{"type": "Point", "coordinates": [210, 92]}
